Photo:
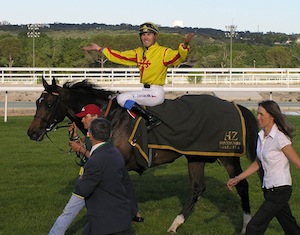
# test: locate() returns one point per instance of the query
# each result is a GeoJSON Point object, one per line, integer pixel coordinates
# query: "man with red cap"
{"type": "Point", "coordinates": [88, 113]}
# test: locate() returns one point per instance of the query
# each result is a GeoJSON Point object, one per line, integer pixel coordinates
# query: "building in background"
{"type": "Point", "coordinates": [178, 24]}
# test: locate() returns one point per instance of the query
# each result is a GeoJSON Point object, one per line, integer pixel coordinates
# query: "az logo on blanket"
{"type": "Point", "coordinates": [231, 135]}
{"type": "Point", "coordinates": [230, 141]}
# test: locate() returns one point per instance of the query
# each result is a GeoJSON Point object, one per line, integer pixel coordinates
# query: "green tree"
{"type": "Point", "coordinates": [295, 54]}
{"type": "Point", "coordinates": [67, 52]}
{"type": "Point", "coordinates": [212, 56]}
{"type": "Point", "coordinates": [61, 47]}
{"type": "Point", "coordinates": [278, 57]}
{"type": "Point", "coordinates": [10, 48]}
{"type": "Point", "coordinates": [247, 55]}
{"type": "Point", "coordinates": [96, 59]}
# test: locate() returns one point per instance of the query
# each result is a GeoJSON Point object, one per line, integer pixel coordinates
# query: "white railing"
{"type": "Point", "coordinates": [178, 79]}
{"type": "Point", "coordinates": [175, 76]}
{"type": "Point", "coordinates": [40, 88]}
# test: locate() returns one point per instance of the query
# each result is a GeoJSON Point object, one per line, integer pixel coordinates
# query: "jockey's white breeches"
{"type": "Point", "coordinates": [152, 96]}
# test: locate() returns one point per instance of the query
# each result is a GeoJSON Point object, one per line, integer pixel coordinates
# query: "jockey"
{"type": "Point", "coordinates": [153, 61]}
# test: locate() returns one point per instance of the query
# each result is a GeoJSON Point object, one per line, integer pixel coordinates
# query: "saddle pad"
{"type": "Point", "coordinates": [201, 125]}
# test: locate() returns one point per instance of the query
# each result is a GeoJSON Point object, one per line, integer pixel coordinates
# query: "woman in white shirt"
{"type": "Point", "coordinates": [274, 151]}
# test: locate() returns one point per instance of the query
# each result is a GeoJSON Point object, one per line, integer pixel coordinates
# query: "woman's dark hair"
{"type": "Point", "coordinates": [279, 118]}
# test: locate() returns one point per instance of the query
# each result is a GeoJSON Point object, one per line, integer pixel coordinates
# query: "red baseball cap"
{"type": "Point", "coordinates": [89, 109]}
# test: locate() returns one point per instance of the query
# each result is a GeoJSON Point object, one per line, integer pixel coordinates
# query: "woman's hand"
{"type": "Point", "coordinates": [232, 182]}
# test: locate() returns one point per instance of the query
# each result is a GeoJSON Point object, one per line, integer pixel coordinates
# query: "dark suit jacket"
{"type": "Point", "coordinates": [108, 191]}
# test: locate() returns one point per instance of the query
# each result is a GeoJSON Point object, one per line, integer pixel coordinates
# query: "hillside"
{"type": "Point", "coordinates": [87, 30]}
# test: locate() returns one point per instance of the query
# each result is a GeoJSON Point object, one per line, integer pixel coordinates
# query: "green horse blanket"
{"type": "Point", "coordinates": [202, 125]}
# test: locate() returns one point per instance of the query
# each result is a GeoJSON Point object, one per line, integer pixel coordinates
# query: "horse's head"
{"type": "Point", "coordinates": [50, 110]}
{"type": "Point", "coordinates": [56, 103]}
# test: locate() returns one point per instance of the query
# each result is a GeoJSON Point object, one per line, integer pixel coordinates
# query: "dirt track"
{"type": "Point", "coordinates": [33, 96]}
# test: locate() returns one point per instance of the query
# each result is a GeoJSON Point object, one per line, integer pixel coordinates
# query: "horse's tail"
{"type": "Point", "coordinates": [252, 131]}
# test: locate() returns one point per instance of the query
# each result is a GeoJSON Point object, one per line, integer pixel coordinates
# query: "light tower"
{"type": "Point", "coordinates": [33, 33]}
{"type": "Point", "coordinates": [231, 33]}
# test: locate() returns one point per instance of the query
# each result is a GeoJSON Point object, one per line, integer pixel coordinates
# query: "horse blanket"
{"type": "Point", "coordinates": [202, 125]}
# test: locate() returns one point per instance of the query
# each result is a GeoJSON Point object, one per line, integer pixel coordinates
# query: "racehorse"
{"type": "Point", "coordinates": [57, 102]}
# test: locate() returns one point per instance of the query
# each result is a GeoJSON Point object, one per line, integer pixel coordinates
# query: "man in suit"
{"type": "Point", "coordinates": [106, 185]}
{"type": "Point", "coordinates": [81, 146]}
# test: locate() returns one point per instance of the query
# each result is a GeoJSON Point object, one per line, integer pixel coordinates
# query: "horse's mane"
{"type": "Point", "coordinates": [87, 87]}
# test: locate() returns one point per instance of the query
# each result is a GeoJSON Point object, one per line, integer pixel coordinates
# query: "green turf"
{"type": "Point", "coordinates": [37, 180]}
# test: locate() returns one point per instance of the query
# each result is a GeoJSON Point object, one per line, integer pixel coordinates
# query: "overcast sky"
{"type": "Point", "coordinates": [252, 15]}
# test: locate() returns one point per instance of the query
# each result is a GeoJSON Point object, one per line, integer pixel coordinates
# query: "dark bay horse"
{"type": "Point", "coordinates": [56, 103]}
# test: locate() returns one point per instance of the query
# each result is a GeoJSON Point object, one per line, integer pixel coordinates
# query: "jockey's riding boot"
{"type": "Point", "coordinates": [151, 120]}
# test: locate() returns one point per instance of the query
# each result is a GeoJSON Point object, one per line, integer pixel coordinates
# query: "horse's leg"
{"type": "Point", "coordinates": [233, 167]}
{"type": "Point", "coordinates": [196, 174]}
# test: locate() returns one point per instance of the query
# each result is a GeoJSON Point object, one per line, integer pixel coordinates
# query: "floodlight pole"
{"type": "Point", "coordinates": [33, 33]}
{"type": "Point", "coordinates": [231, 33]}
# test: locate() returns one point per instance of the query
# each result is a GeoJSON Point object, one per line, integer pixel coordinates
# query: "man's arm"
{"type": "Point", "coordinates": [90, 179]}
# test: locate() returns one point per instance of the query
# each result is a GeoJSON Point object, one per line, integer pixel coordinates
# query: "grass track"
{"type": "Point", "coordinates": [37, 180]}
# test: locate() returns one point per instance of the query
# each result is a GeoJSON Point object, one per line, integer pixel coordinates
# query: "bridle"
{"type": "Point", "coordinates": [51, 125]}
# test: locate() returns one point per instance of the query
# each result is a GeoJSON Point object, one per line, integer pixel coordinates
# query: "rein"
{"type": "Point", "coordinates": [82, 158]}
{"type": "Point", "coordinates": [46, 134]}
{"type": "Point", "coordinates": [79, 155]}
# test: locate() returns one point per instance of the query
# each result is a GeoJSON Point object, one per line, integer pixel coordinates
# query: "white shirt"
{"type": "Point", "coordinates": [94, 147]}
{"type": "Point", "coordinates": [275, 164]}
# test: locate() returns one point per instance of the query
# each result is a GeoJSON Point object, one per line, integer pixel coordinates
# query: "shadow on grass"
{"type": "Point", "coordinates": [77, 227]}
{"type": "Point", "coordinates": [155, 187]}
{"type": "Point", "coordinates": [69, 188]}
{"type": "Point", "coordinates": [81, 220]}
{"type": "Point", "coordinates": [149, 187]}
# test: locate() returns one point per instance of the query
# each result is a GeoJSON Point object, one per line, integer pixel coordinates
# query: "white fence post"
{"type": "Point", "coordinates": [5, 107]}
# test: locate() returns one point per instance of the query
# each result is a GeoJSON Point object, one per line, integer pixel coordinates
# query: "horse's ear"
{"type": "Point", "coordinates": [45, 84]}
{"type": "Point", "coordinates": [53, 82]}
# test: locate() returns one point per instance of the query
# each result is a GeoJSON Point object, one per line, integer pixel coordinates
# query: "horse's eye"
{"type": "Point", "coordinates": [49, 106]}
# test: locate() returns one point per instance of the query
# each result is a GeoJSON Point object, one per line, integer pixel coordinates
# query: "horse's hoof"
{"type": "Point", "coordinates": [179, 220]}
{"type": "Point", "coordinates": [171, 231]}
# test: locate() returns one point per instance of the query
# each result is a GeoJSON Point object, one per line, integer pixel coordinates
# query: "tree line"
{"type": "Point", "coordinates": [209, 48]}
